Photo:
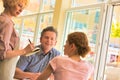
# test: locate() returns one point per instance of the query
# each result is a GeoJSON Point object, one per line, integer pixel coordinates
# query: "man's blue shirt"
{"type": "Point", "coordinates": [36, 62]}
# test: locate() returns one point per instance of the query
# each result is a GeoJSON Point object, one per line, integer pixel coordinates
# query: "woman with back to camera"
{"type": "Point", "coordinates": [72, 66]}
{"type": "Point", "coordinates": [9, 39]}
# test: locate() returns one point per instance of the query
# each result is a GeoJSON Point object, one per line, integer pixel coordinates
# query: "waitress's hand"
{"type": "Point", "coordinates": [29, 48]}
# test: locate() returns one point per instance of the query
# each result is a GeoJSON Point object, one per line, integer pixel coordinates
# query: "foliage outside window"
{"type": "Point", "coordinates": [115, 30]}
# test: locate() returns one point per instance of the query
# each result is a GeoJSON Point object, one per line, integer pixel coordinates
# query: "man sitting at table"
{"type": "Point", "coordinates": [29, 67]}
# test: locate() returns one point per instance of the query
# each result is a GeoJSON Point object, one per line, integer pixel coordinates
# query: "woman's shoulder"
{"type": "Point", "coordinates": [57, 57]}
{"type": "Point", "coordinates": [5, 19]}
{"type": "Point", "coordinates": [89, 65]}
{"type": "Point", "coordinates": [2, 19]}
{"type": "Point", "coordinates": [60, 58]}
{"type": "Point", "coordinates": [5, 23]}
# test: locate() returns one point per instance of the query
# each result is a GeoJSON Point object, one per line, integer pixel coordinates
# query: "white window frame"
{"type": "Point", "coordinates": [107, 28]}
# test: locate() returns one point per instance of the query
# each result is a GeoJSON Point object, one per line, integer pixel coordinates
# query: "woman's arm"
{"type": "Point", "coordinates": [12, 53]}
{"type": "Point", "coordinates": [46, 73]}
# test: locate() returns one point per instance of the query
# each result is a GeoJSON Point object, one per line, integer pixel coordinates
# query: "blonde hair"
{"type": "Point", "coordinates": [11, 3]}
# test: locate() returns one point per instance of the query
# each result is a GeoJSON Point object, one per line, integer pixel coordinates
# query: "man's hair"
{"type": "Point", "coordinates": [49, 28]}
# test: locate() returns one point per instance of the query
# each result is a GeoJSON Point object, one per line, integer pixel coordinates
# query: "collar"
{"type": "Point", "coordinates": [42, 52]}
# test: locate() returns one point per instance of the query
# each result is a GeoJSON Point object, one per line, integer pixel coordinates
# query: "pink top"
{"type": "Point", "coordinates": [8, 36]}
{"type": "Point", "coordinates": [68, 69]}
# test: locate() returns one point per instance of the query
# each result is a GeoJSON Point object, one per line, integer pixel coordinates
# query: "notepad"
{"type": "Point", "coordinates": [34, 51]}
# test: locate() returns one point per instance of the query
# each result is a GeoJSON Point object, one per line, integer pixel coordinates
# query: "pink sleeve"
{"type": "Point", "coordinates": [53, 63]}
{"type": "Point", "coordinates": [5, 34]}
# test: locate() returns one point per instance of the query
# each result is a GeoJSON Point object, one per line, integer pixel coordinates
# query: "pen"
{"type": "Point", "coordinates": [29, 41]}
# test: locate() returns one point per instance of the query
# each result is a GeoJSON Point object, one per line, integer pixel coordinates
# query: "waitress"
{"type": "Point", "coordinates": [9, 39]}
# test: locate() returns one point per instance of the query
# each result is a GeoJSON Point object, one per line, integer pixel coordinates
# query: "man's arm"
{"type": "Point", "coordinates": [19, 74]}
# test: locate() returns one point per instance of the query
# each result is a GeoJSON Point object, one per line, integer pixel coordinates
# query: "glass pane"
{"type": "Point", "coordinates": [48, 5]}
{"type": "Point", "coordinates": [18, 23]}
{"type": "Point", "coordinates": [77, 3]}
{"type": "Point", "coordinates": [45, 20]}
{"type": "Point", "coordinates": [32, 8]}
{"type": "Point", "coordinates": [112, 70]}
{"type": "Point", "coordinates": [26, 27]}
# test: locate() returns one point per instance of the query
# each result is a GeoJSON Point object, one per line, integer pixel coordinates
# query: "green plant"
{"type": "Point", "coordinates": [115, 30]}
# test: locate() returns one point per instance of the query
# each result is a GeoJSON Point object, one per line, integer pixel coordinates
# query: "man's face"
{"type": "Point", "coordinates": [48, 40]}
